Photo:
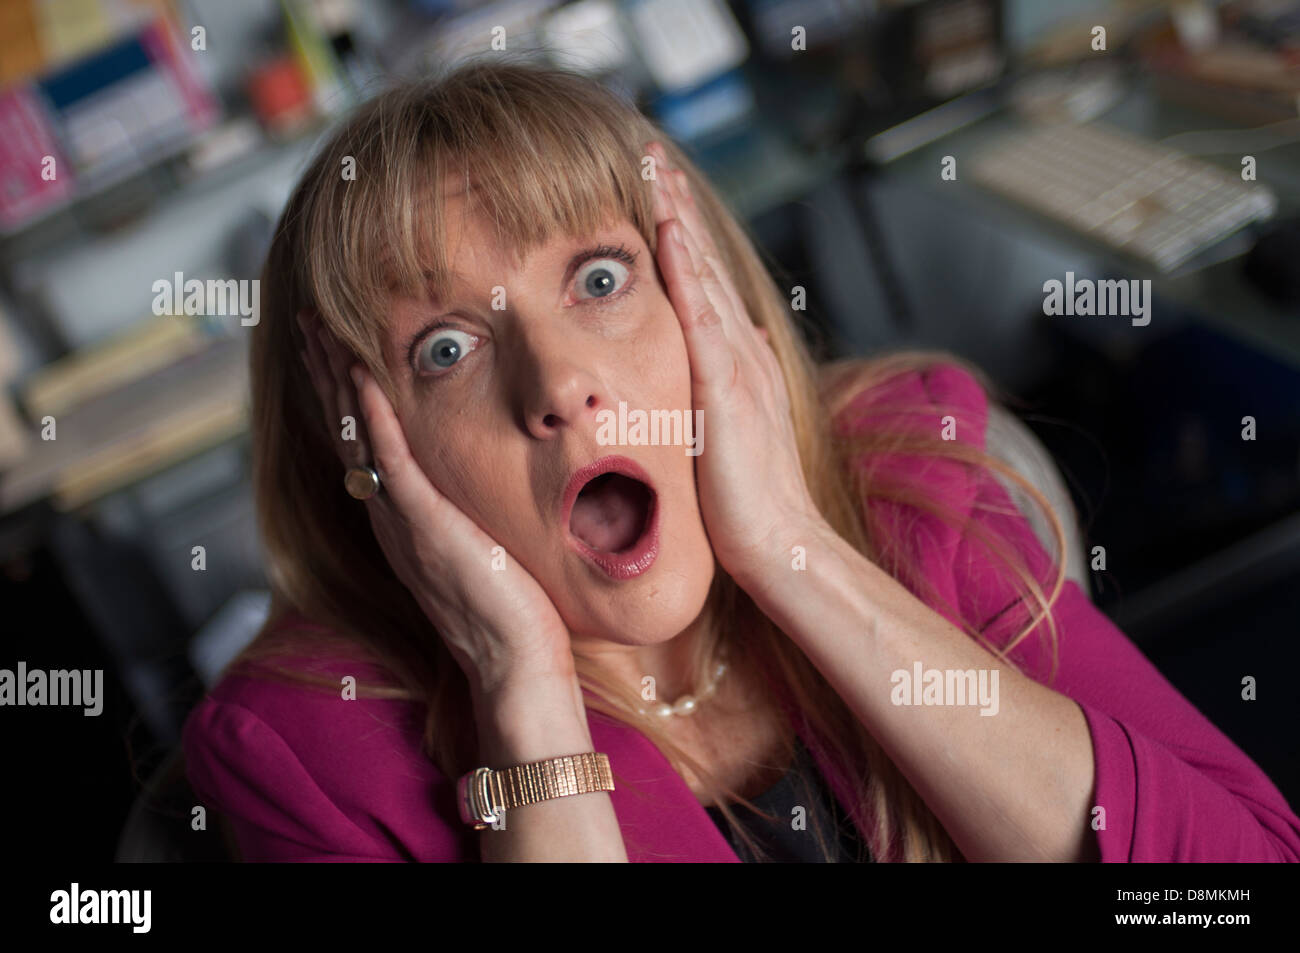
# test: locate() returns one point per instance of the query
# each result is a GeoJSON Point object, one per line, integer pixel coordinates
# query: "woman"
{"type": "Point", "coordinates": [477, 277]}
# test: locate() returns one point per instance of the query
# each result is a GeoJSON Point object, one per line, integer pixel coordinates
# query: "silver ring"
{"type": "Point", "coordinates": [361, 482]}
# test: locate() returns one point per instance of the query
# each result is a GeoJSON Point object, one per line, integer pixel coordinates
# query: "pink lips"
{"type": "Point", "coordinates": [629, 563]}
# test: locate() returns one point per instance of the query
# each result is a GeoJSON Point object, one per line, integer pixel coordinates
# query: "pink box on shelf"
{"type": "Point", "coordinates": [34, 175]}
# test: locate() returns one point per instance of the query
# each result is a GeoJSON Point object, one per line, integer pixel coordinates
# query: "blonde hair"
{"type": "Point", "coordinates": [551, 152]}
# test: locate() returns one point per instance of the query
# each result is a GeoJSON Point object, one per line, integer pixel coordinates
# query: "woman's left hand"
{"type": "Point", "coordinates": [752, 492]}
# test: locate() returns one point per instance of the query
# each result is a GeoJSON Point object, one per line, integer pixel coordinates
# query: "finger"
{"type": "Point", "coordinates": [663, 208]}
{"type": "Point", "coordinates": [711, 272]}
{"type": "Point", "coordinates": [705, 246]}
{"type": "Point", "coordinates": [769, 353]}
{"type": "Point", "coordinates": [399, 475]}
{"type": "Point", "coordinates": [703, 253]}
{"type": "Point", "coordinates": [747, 340]}
{"type": "Point", "coordinates": [665, 185]}
{"type": "Point", "coordinates": [356, 450]}
{"type": "Point", "coordinates": [668, 211]}
{"type": "Point", "coordinates": [350, 443]}
{"type": "Point", "coordinates": [700, 272]}
{"type": "Point", "coordinates": [678, 202]}
{"type": "Point", "coordinates": [673, 199]}
{"type": "Point", "coordinates": [677, 184]}
{"type": "Point", "coordinates": [670, 225]}
{"type": "Point", "coordinates": [711, 356]}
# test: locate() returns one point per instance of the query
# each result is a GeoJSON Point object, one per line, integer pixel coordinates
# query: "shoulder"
{"type": "Point", "coordinates": [911, 394]}
{"type": "Point", "coordinates": [935, 511]}
{"type": "Point", "coordinates": [906, 426]}
{"type": "Point", "coordinates": [293, 765]}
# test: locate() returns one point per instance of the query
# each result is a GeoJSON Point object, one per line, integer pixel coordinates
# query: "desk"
{"type": "Point", "coordinates": [1211, 286]}
{"type": "Point", "coordinates": [972, 264]}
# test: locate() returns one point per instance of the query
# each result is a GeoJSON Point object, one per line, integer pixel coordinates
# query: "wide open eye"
{"type": "Point", "coordinates": [443, 348]}
{"type": "Point", "coordinates": [601, 278]}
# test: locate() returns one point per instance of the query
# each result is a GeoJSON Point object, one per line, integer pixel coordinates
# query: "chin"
{"type": "Point", "coordinates": [653, 608]}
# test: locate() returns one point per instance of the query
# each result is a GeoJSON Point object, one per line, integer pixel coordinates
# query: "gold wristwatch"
{"type": "Point", "coordinates": [484, 792]}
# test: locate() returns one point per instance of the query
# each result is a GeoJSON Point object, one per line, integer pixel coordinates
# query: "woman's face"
{"type": "Point", "coordinates": [500, 391]}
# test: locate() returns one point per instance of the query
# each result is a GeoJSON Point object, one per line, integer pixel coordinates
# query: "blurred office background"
{"type": "Point", "coordinates": [143, 139]}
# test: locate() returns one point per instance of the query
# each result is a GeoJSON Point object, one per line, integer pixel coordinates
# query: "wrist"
{"type": "Point", "coordinates": [830, 575]}
{"type": "Point", "coordinates": [782, 562]}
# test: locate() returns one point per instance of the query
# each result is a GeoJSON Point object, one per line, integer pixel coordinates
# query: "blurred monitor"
{"type": "Point", "coordinates": [890, 61]}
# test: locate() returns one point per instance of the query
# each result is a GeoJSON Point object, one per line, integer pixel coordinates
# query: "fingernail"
{"type": "Point", "coordinates": [355, 371]}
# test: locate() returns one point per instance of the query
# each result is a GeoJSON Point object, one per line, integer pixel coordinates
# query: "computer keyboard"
{"type": "Point", "coordinates": [1148, 200]}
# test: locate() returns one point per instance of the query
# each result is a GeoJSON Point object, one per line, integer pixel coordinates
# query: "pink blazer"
{"type": "Point", "coordinates": [303, 776]}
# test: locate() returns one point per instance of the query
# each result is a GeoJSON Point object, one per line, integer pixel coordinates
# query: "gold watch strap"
{"type": "Point", "coordinates": [524, 784]}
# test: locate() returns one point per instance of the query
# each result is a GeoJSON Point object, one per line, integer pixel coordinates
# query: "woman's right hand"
{"type": "Point", "coordinates": [499, 624]}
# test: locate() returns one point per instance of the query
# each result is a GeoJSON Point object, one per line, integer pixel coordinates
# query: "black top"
{"type": "Point", "coordinates": [804, 786]}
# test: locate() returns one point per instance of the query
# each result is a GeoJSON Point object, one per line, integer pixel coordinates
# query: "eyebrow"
{"type": "Point", "coordinates": [575, 260]}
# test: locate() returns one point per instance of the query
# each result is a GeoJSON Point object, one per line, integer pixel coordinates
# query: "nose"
{"type": "Point", "coordinates": [561, 389]}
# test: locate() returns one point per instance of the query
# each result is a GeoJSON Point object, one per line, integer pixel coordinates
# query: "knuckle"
{"type": "Point", "coordinates": [713, 277]}
{"type": "Point", "coordinates": [426, 552]}
{"type": "Point", "coordinates": [734, 374]}
{"type": "Point", "coordinates": [705, 316]}
{"type": "Point", "coordinates": [388, 462]}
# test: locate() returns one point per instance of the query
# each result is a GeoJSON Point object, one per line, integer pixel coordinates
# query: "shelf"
{"type": "Point", "coordinates": [164, 182]}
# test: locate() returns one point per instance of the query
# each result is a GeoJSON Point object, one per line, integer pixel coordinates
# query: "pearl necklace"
{"type": "Point", "coordinates": [687, 704]}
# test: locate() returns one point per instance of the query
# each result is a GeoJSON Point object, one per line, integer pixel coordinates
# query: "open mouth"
{"type": "Point", "coordinates": [611, 513]}
{"type": "Point", "coordinates": [613, 516]}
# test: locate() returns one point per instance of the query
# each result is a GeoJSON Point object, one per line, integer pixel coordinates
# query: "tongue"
{"type": "Point", "coordinates": [610, 512]}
